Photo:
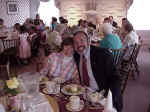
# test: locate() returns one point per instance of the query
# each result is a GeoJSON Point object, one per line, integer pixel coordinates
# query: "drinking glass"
{"type": "Point", "coordinates": [30, 82]}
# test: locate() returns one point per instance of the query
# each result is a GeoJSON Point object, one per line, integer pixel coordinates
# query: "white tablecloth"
{"type": "Point", "coordinates": [2, 108]}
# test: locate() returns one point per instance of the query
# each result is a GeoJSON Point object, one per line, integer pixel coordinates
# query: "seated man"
{"type": "Point", "coordinates": [62, 64]}
{"type": "Point", "coordinates": [96, 68]}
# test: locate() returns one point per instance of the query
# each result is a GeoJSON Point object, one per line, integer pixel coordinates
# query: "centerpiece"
{"type": "Point", "coordinates": [10, 87]}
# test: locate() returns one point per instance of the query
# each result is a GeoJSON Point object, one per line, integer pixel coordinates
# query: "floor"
{"type": "Point", "coordinates": [137, 94]}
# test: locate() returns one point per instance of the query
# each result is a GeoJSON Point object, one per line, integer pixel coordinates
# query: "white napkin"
{"type": "Point", "coordinates": [2, 108]}
{"type": "Point", "coordinates": [108, 107]}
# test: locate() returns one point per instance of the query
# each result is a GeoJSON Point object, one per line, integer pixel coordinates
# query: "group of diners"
{"type": "Point", "coordinates": [72, 56]}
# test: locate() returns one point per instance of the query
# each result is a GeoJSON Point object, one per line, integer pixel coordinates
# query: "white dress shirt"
{"type": "Point", "coordinates": [93, 83]}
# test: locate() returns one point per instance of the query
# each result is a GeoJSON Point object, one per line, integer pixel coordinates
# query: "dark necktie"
{"type": "Point", "coordinates": [85, 72]}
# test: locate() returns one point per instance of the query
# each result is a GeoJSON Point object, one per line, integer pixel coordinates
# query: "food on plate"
{"type": "Point", "coordinates": [95, 97]}
{"type": "Point", "coordinates": [73, 89]}
{"type": "Point", "coordinates": [43, 79]}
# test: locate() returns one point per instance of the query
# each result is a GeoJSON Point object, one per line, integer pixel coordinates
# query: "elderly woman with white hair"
{"type": "Point", "coordinates": [110, 40]}
{"type": "Point", "coordinates": [54, 39]}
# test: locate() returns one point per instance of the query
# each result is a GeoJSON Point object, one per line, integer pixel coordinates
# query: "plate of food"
{"type": "Point", "coordinates": [73, 89]}
{"type": "Point", "coordinates": [95, 97]}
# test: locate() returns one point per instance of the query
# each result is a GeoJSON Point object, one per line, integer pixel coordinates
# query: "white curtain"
{"type": "Point", "coordinates": [34, 6]}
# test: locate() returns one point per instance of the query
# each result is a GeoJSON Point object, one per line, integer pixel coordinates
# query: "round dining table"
{"type": "Point", "coordinates": [63, 99]}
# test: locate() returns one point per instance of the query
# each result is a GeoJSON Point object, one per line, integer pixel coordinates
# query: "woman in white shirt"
{"type": "Point", "coordinates": [130, 40]}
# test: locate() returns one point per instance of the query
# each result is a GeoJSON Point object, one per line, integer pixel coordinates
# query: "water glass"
{"type": "Point", "coordinates": [57, 88]}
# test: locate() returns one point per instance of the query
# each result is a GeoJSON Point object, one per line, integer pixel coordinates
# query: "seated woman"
{"type": "Point", "coordinates": [110, 41]}
{"type": "Point", "coordinates": [62, 64]}
{"type": "Point", "coordinates": [130, 40]}
{"type": "Point", "coordinates": [24, 48]}
{"type": "Point", "coordinates": [54, 38]}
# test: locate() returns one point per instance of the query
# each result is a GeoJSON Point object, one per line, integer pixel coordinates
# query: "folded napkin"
{"type": "Point", "coordinates": [108, 106]}
{"type": "Point", "coordinates": [2, 108]}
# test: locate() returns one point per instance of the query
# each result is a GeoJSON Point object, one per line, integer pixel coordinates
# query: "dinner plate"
{"type": "Point", "coordinates": [69, 107]}
{"type": "Point", "coordinates": [68, 89]}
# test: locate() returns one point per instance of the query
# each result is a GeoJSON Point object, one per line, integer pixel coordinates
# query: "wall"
{"type": "Point", "coordinates": [76, 9]}
{"type": "Point", "coordinates": [72, 10]}
{"type": "Point", "coordinates": [24, 12]}
{"type": "Point", "coordinates": [116, 8]}
{"type": "Point", "coordinates": [145, 35]}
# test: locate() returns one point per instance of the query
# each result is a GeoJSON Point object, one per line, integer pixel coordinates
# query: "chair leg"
{"type": "Point", "coordinates": [8, 68]}
{"type": "Point", "coordinates": [133, 70]}
{"type": "Point", "coordinates": [148, 110]}
{"type": "Point", "coordinates": [137, 68]}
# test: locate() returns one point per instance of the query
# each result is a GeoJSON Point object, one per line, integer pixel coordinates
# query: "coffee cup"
{"type": "Point", "coordinates": [74, 102]}
{"type": "Point", "coordinates": [50, 86]}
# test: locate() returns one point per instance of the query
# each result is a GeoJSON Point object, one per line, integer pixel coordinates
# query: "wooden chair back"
{"type": "Point", "coordinates": [135, 52]}
{"type": "Point", "coordinates": [117, 55]}
{"type": "Point", "coordinates": [10, 43]}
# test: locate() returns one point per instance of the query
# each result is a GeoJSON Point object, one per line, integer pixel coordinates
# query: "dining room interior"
{"type": "Point", "coordinates": [42, 53]}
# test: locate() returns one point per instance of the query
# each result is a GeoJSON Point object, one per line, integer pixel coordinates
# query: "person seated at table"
{"type": "Point", "coordinates": [24, 48]}
{"type": "Point", "coordinates": [96, 68]}
{"type": "Point", "coordinates": [34, 41]}
{"type": "Point", "coordinates": [16, 30]}
{"type": "Point", "coordinates": [105, 21]}
{"type": "Point", "coordinates": [28, 23]}
{"type": "Point", "coordinates": [2, 26]}
{"type": "Point", "coordinates": [110, 41]}
{"type": "Point", "coordinates": [130, 40]}
{"type": "Point", "coordinates": [122, 32]}
{"type": "Point", "coordinates": [114, 23]}
{"type": "Point", "coordinates": [62, 64]}
{"type": "Point", "coordinates": [54, 39]}
{"type": "Point", "coordinates": [16, 27]}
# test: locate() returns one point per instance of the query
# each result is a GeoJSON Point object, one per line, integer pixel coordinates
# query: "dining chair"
{"type": "Point", "coordinates": [4, 67]}
{"type": "Point", "coordinates": [124, 76]}
{"type": "Point", "coordinates": [35, 43]}
{"type": "Point", "coordinates": [148, 109]}
{"type": "Point", "coordinates": [134, 59]}
{"type": "Point", "coordinates": [10, 52]}
{"type": "Point", "coordinates": [117, 55]}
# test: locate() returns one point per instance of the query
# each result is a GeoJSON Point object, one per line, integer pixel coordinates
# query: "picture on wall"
{"type": "Point", "coordinates": [12, 7]}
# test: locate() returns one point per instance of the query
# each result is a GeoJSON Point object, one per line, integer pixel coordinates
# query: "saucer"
{"type": "Point", "coordinates": [47, 92]}
{"type": "Point", "coordinates": [68, 107]}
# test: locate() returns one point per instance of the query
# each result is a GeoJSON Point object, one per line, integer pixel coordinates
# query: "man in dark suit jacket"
{"type": "Point", "coordinates": [101, 70]}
